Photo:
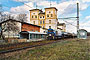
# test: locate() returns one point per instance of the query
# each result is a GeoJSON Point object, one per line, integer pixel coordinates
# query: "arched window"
{"type": "Point", "coordinates": [49, 21]}
{"type": "Point", "coordinates": [47, 15]}
{"type": "Point", "coordinates": [40, 21]}
{"type": "Point", "coordinates": [33, 22]}
{"type": "Point", "coordinates": [40, 17]}
{"type": "Point", "coordinates": [43, 22]}
{"type": "Point", "coordinates": [32, 16]}
{"type": "Point", "coordinates": [51, 15]}
{"type": "Point", "coordinates": [43, 26]}
{"type": "Point", "coordinates": [35, 16]}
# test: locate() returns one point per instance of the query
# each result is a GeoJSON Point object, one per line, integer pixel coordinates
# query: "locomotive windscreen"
{"type": "Point", "coordinates": [50, 30]}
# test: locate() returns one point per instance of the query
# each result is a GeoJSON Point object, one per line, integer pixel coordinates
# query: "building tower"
{"type": "Point", "coordinates": [42, 19]}
{"type": "Point", "coordinates": [51, 18]}
{"type": "Point", "coordinates": [34, 16]}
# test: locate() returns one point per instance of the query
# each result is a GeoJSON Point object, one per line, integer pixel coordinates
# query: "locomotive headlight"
{"type": "Point", "coordinates": [49, 34]}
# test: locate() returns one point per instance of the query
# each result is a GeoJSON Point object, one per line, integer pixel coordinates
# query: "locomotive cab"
{"type": "Point", "coordinates": [50, 34]}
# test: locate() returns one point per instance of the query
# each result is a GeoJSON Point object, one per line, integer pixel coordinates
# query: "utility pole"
{"type": "Point", "coordinates": [36, 5]}
{"type": "Point", "coordinates": [50, 3]}
{"type": "Point", "coordinates": [77, 19]}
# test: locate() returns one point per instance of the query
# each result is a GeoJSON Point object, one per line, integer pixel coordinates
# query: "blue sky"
{"type": "Point", "coordinates": [66, 8]}
{"type": "Point", "coordinates": [9, 4]}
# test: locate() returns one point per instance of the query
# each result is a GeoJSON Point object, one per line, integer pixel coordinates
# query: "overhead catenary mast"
{"type": "Point", "coordinates": [77, 16]}
{"type": "Point", "coordinates": [77, 19]}
{"type": "Point", "coordinates": [50, 3]}
{"type": "Point", "coordinates": [36, 5]}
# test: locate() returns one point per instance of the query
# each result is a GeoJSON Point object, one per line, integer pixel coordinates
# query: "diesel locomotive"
{"type": "Point", "coordinates": [58, 34]}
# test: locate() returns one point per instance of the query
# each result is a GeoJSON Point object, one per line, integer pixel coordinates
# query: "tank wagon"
{"type": "Point", "coordinates": [58, 34]}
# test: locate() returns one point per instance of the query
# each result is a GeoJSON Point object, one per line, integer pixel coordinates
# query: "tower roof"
{"type": "Point", "coordinates": [51, 8]}
{"type": "Point", "coordinates": [42, 13]}
{"type": "Point", "coordinates": [35, 9]}
{"type": "Point", "coordinates": [59, 24]}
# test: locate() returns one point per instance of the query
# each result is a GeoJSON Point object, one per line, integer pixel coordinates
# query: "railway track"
{"type": "Point", "coordinates": [31, 46]}
{"type": "Point", "coordinates": [36, 44]}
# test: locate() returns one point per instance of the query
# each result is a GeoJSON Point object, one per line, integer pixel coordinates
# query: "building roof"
{"type": "Point", "coordinates": [59, 24]}
{"type": "Point", "coordinates": [51, 8]}
{"type": "Point", "coordinates": [42, 13]}
{"type": "Point", "coordinates": [18, 21]}
{"type": "Point", "coordinates": [82, 30]}
{"type": "Point", "coordinates": [35, 9]}
{"type": "Point", "coordinates": [30, 24]}
{"type": "Point", "coordinates": [59, 28]}
{"type": "Point", "coordinates": [9, 20]}
{"type": "Point", "coordinates": [30, 32]}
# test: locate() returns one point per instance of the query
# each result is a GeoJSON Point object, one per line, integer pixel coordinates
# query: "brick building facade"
{"type": "Point", "coordinates": [30, 27]}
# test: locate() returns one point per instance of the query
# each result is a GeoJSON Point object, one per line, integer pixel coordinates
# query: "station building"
{"type": "Point", "coordinates": [44, 19]}
{"type": "Point", "coordinates": [13, 30]}
{"type": "Point", "coordinates": [31, 32]}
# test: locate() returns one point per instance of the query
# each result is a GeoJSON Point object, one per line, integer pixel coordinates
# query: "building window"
{"type": "Point", "coordinates": [49, 12]}
{"type": "Point", "coordinates": [51, 15]}
{"type": "Point", "coordinates": [40, 17]}
{"type": "Point", "coordinates": [44, 31]}
{"type": "Point", "coordinates": [36, 31]}
{"type": "Point", "coordinates": [49, 27]}
{"type": "Point", "coordinates": [33, 22]}
{"type": "Point", "coordinates": [35, 16]}
{"type": "Point", "coordinates": [47, 15]}
{"type": "Point", "coordinates": [43, 16]}
{"type": "Point", "coordinates": [32, 16]}
{"type": "Point", "coordinates": [41, 22]}
{"type": "Point", "coordinates": [32, 29]}
{"type": "Point", "coordinates": [49, 21]}
{"type": "Point", "coordinates": [34, 13]}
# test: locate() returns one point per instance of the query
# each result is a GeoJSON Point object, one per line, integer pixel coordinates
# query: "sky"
{"type": "Point", "coordinates": [66, 8]}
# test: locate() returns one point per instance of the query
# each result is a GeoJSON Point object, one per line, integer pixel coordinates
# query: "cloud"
{"type": "Point", "coordinates": [85, 1]}
{"type": "Point", "coordinates": [22, 9]}
{"type": "Point", "coordinates": [44, 3]}
{"type": "Point", "coordinates": [65, 7]}
{"type": "Point", "coordinates": [70, 25]}
{"type": "Point", "coordinates": [85, 25]}
{"type": "Point", "coordinates": [83, 6]}
{"type": "Point", "coordinates": [62, 7]}
{"type": "Point", "coordinates": [87, 17]}
{"type": "Point", "coordinates": [28, 0]}
{"type": "Point", "coordinates": [5, 12]}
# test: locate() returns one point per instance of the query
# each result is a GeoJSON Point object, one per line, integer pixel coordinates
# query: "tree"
{"type": "Point", "coordinates": [21, 17]}
{"type": "Point", "coordinates": [1, 18]}
{"type": "Point", "coordinates": [9, 26]}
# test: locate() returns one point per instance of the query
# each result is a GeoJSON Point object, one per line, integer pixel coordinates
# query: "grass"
{"type": "Point", "coordinates": [21, 45]}
{"type": "Point", "coordinates": [65, 50]}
